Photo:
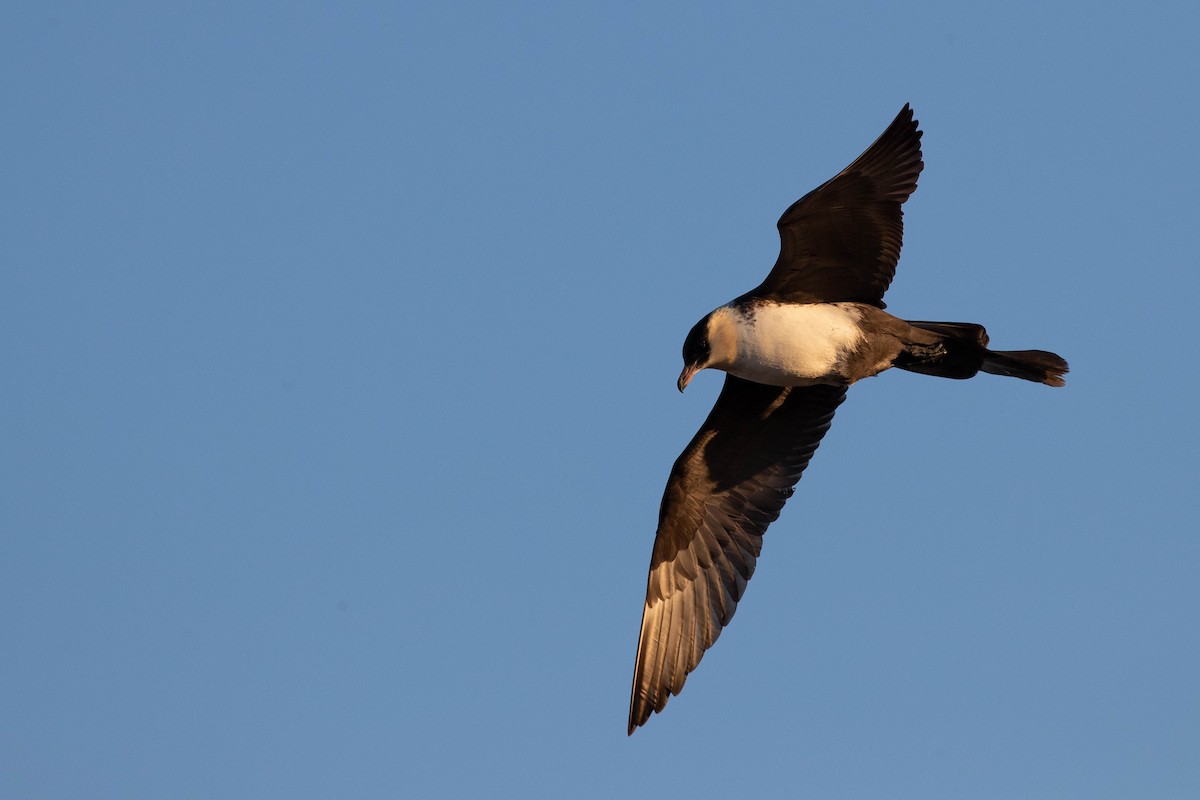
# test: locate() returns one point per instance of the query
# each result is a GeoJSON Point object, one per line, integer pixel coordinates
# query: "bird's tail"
{"type": "Point", "coordinates": [959, 350]}
{"type": "Point", "coordinates": [1030, 365]}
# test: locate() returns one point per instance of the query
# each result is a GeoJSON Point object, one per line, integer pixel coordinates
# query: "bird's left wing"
{"type": "Point", "coordinates": [841, 241]}
{"type": "Point", "coordinates": [726, 487]}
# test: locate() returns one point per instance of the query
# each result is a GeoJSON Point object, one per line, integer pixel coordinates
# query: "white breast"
{"type": "Point", "coordinates": [795, 345]}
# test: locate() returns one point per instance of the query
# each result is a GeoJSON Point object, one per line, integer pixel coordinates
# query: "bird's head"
{"type": "Point", "coordinates": [712, 342]}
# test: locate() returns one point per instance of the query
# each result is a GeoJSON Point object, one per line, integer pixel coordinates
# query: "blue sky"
{"type": "Point", "coordinates": [339, 345]}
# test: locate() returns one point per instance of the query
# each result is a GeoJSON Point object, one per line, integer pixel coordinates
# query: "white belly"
{"type": "Point", "coordinates": [796, 345]}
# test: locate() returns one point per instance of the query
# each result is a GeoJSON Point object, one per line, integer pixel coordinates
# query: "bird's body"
{"type": "Point", "coordinates": [788, 344]}
{"type": "Point", "coordinates": [790, 348]}
{"type": "Point", "coordinates": [804, 344]}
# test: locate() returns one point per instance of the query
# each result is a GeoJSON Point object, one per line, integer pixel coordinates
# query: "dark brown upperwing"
{"type": "Point", "coordinates": [726, 487]}
{"type": "Point", "coordinates": [841, 241]}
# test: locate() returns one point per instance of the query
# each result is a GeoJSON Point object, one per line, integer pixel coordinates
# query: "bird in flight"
{"type": "Point", "coordinates": [790, 348]}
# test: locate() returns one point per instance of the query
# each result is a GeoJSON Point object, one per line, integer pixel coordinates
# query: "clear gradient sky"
{"type": "Point", "coordinates": [339, 344]}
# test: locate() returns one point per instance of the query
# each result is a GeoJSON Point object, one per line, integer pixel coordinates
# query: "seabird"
{"type": "Point", "coordinates": [790, 348]}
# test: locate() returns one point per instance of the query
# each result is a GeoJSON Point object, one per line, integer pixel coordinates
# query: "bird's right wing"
{"type": "Point", "coordinates": [726, 487]}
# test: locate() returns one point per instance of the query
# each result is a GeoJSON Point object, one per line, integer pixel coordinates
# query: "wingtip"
{"type": "Point", "coordinates": [637, 717]}
{"type": "Point", "coordinates": [908, 118]}
{"type": "Point", "coordinates": [639, 709]}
